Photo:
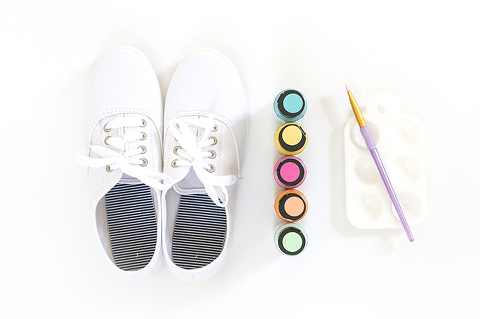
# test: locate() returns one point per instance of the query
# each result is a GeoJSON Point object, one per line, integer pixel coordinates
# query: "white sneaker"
{"type": "Point", "coordinates": [205, 138]}
{"type": "Point", "coordinates": [123, 126]}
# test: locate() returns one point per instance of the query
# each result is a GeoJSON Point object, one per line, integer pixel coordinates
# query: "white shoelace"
{"type": "Point", "coordinates": [116, 160]}
{"type": "Point", "coordinates": [191, 154]}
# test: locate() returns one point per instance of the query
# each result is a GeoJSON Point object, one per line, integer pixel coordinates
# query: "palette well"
{"type": "Point", "coordinates": [400, 140]}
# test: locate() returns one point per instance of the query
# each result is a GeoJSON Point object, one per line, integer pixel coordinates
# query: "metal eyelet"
{"type": "Point", "coordinates": [176, 148]}
{"type": "Point", "coordinates": [174, 163]}
{"type": "Point", "coordinates": [145, 162]}
{"type": "Point", "coordinates": [214, 140]}
{"type": "Point", "coordinates": [214, 154]}
{"type": "Point", "coordinates": [215, 128]}
{"type": "Point", "coordinates": [144, 136]}
{"type": "Point", "coordinates": [105, 141]}
{"type": "Point", "coordinates": [144, 123]}
{"type": "Point", "coordinates": [106, 129]}
{"type": "Point", "coordinates": [108, 168]}
{"type": "Point", "coordinates": [212, 168]}
{"type": "Point", "coordinates": [143, 148]}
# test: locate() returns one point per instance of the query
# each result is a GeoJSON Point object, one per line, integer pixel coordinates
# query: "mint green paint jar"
{"type": "Point", "coordinates": [291, 239]}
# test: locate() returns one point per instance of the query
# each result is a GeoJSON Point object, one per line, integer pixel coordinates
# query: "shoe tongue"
{"type": "Point", "coordinates": [127, 179]}
{"type": "Point", "coordinates": [190, 184]}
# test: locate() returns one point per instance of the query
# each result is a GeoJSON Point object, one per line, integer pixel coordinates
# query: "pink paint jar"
{"type": "Point", "coordinates": [289, 172]}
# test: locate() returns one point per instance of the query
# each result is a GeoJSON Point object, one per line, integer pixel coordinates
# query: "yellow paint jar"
{"type": "Point", "coordinates": [291, 138]}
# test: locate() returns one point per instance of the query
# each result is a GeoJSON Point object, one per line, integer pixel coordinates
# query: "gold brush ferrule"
{"type": "Point", "coordinates": [356, 110]}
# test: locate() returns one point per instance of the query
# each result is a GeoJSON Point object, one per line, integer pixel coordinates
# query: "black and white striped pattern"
{"type": "Point", "coordinates": [199, 232]}
{"type": "Point", "coordinates": [132, 225]}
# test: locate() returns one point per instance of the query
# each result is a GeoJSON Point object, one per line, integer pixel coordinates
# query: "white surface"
{"type": "Point", "coordinates": [424, 52]}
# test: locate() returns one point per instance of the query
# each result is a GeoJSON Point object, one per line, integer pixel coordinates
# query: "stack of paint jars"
{"type": "Point", "coordinates": [290, 172]}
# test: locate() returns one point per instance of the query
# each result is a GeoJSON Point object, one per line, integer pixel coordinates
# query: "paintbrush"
{"type": "Point", "coordinates": [367, 136]}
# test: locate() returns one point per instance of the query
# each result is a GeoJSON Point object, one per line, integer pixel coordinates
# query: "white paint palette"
{"type": "Point", "coordinates": [400, 140]}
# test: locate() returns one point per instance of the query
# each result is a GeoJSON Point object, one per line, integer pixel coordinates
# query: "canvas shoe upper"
{"type": "Point", "coordinates": [123, 125]}
{"type": "Point", "coordinates": [204, 148]}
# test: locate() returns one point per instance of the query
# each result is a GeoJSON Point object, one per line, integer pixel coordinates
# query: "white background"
{"type": "Point", "coordinates": [427, 53]}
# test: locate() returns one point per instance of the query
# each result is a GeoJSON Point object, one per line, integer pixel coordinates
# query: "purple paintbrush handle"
{"type": "Point", "coordinates": [391, 192]}
{"type": "Point", "coordinates": [383, 173]}
{"type": "Point", "coordinates": [367, 136]}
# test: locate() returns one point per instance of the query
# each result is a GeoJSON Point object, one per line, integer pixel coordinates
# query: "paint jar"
{"type": "Point", "coordinates": [291, 239]}
{"type": "Point", "coordinates": [291, 205]}
{"type": "Point", "coordinates": [289, 172]}
{"type": "Point", "coordinates": [290, 105]}
{"type": "Point", "coordinates": [291, 138]}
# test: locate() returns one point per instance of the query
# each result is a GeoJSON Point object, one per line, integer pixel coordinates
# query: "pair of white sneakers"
{"type": "Point", "coordinates": [164, 179]}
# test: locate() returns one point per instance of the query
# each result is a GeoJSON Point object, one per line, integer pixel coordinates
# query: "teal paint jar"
{"type": "Point", "coordinates": [290, 105]}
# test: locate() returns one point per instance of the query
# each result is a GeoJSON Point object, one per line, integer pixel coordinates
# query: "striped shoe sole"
{"type": "Point", "coordinates": [132, 225]}
{"type": "Point", "coordinates": [199, 233]}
